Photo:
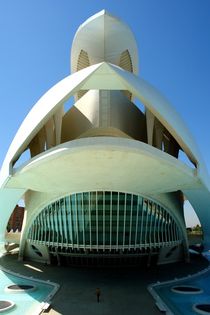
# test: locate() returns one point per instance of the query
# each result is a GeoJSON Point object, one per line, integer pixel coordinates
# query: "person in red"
{"type": "Point", "coordinates": [98, 293]}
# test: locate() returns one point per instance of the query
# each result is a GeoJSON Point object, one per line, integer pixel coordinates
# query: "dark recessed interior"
{"type": "Point", "coordinates": [203, 307]}
{"type": "Point", "coordinates": [186, 289]}
{"type": "Point", "coordinates": [5, 304]}
{"type": "Point", "coordinates": [20, 287]}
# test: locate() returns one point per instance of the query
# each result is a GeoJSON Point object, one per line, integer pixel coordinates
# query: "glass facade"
{"type": "Point", "coordinates": [104, 220]}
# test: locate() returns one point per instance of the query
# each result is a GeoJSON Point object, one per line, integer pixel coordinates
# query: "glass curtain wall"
{"type": "Point", "coordinates": [105, 220]}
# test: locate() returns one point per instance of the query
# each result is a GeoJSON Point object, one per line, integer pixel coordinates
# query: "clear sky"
{"type": "Point", "coordinates": [173, 38]}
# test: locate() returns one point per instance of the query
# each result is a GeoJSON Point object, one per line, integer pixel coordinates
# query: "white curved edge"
{"type": "Point", "coordinates": [47, 300]}
{"type": "Point", "coordinates": [7, 308]}
{"type": "Point", "coordinates": [157, 104]}
{"type": "Point", "coordinates": [101, 76]}
{"type": "Point", "coordinates": [80, 147]}
{"type": "Point", "coordinates": [199, 197]}
{"type": "Point", "coordinates": [102, 29]}
{"type": "Point", "coordinates": [159, 300]}
{"type": "Point", "coordinates": [84, 146]}
{"type": "Point", "coordinates": [40, 114]}
{"type": "Point", "coordinates": [98, 77]}
{"type": "Point", "coordinates": [161, 108]}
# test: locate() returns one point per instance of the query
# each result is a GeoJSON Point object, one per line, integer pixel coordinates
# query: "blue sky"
{"type": "Point", "coordinates": [173, 38]}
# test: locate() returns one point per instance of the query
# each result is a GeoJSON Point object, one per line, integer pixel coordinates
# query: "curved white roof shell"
{"type": "Point", "coordinates": [100, 76]}
{"type": "Point", "coordinates": [89, 159]}
{"type": "Point", "coordinates": [104, 38]}
{"type": "Point", "coordinates": [120, 156]}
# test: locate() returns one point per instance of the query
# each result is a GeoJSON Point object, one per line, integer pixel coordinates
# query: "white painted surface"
{"type": "Point", "coordinates": [107, 38]}
{"type": "Point", "coordinates": [103, 163]}
{"type": "Point", "coordinates": [102, 76]}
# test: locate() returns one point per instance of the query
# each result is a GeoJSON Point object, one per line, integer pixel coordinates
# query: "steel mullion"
{"type": "Point", "coordinates": [83, 220]}
{"type": "Point", "coordinates": [90, 221]}
{"type": "Point", "coordinates": [162, 222]}
{"type": "Point", "coordinates": [165, 226]}
{"type": "Point", "coordinates": [64, 211]}
{"type": "Point", "coordinates": [174, 232]}
{"type": "Point", "coordinates": [159, 223]}
{"type": "Point", "coordinates": [168, 227]}
{"type": "Point", "coordinates": [35, 229]}
{"type": "Point", "coordinates": [52, 224]}
{"type": "Point", "coordinates": [146, 228]}
{"type": "Point", "coordinates": [131, 213]}
{"type": "Point", "coordinates": [155, 222]}
{"type": "Point", "coordinates": [117, 240]}
{"type": "Point", "coordinates": [70, 222]}
{"type": "Point", "coordinates": [30, 233]}
{"type": "Point", "coordinates": [168, 236]}
{"type": "Point", "coordinates": [177, 233]}
{"type": "Point", "coordinates": [43, 226]}
{"type": "Point", "coordinates": [39, 230]}
{"type": "Point", "coordinates": [137, 221]}
{"type": "Point", "coordinates": [96, 220]}
{"type": "Point", "coordinates": [60, 221]}
{"type": "Point", "coordinates": [172, 229]}
{"type": "Point", "coordinates": [104, 220]}
{"type": "Point", "coordinates": [124, 220]}
{"type": "Point", "coordinates": [77, 232]}
{"type": "Point", "coordinates": [49, 224]}
{"type": "Point", "coordinates": [150, 227]}
{"type": "Point", "coordinates": [142, 221]}
{"type": "Point", "coordinates": [45, 223]}
{"type": "Point", "coordinates": [56, 222]}
{"type": "Point", "coordinates": [110, 226]}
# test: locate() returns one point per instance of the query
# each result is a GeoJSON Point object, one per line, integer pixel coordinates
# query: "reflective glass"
{"type": "Point", "coordinates": [104, 219]}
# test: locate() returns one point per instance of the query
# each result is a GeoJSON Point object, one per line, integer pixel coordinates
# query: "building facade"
{"type": "Point", "coordinates": [103, 179]}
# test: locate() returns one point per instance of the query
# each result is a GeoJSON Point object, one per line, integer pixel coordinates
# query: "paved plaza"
{"type": "Point", "coordinates": [123, 290]}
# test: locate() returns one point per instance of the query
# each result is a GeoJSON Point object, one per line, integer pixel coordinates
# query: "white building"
{"type": "Point", "coordinates": [104, 178]}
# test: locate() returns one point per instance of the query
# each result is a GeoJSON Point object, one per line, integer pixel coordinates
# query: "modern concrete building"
{"type": "Point", "coordinates": [104, 178]}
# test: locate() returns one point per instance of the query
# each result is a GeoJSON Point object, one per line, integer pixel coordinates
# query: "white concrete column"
{"type": "Point", "coordinates": [58, 117]}
{"type": "Point", "coordinates": [150, 119]}
{"type": "Point", "coordinates": [50, 133]}
{"type": "Point", "coordinates": [158, 134]}
{"type": "Point", "coordinates": [37, 145]}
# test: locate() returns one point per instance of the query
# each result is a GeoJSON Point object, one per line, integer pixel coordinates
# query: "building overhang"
{"type": "Point", "coordinates": [104, 163]}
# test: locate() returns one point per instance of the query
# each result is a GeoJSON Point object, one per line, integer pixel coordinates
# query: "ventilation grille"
{"type": "Point", "coordinates": [126, 64]}
{"type": "Point", "coordinates": [83, 62]}
{"type": "Point", "coordinates": [125, 61]}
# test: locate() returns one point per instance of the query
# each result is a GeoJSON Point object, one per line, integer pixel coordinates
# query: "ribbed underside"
{"type": "Point", "coordinates": [105, 220]}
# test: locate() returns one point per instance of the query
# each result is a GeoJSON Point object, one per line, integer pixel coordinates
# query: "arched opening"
{"type": "Point", "coordinates": [23, 158]}
{"type": "Point", "coordinates": [108, 224]}
{"type": "Point", "coordinates": [193, 226]}
{"type": "Point", "coordinates": [185, 159]}
{"type": "Point", "coordinates": [14, 227]}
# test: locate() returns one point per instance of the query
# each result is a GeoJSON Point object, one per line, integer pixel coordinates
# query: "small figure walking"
{"type": "Point", "coordinates": [98, 293]}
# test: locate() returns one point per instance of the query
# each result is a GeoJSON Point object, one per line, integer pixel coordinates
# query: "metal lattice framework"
{"type": "Point", "coordinates": [105, 220]}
